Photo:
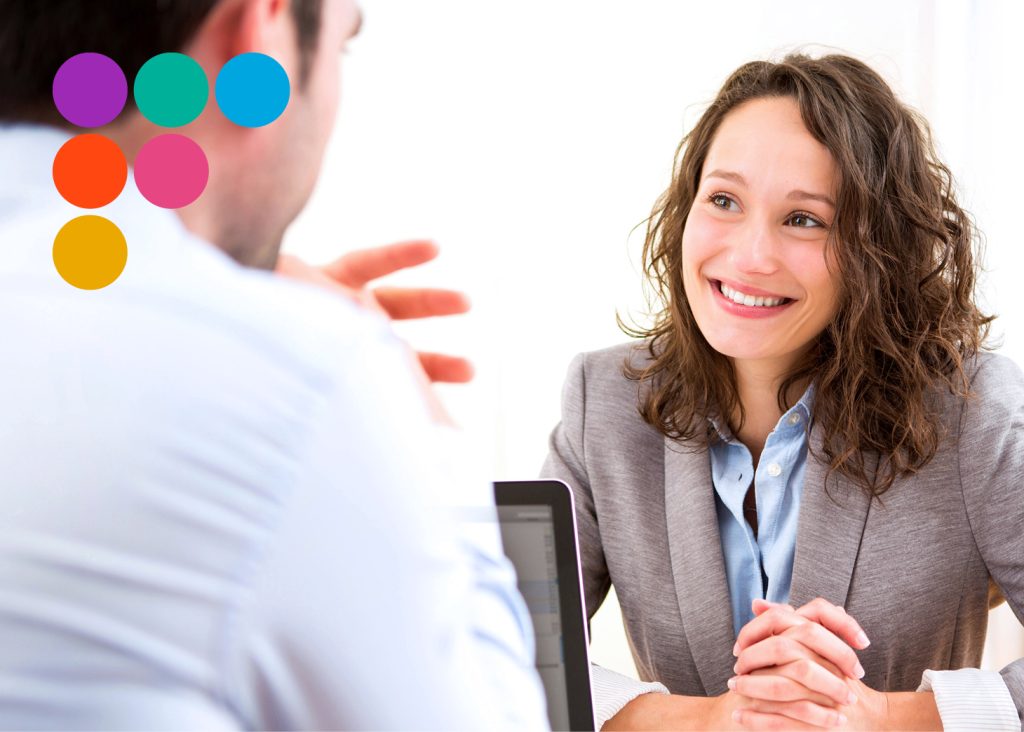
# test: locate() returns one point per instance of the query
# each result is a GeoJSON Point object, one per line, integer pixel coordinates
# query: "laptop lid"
{"type": "Point", "coordinates": [538, 530]}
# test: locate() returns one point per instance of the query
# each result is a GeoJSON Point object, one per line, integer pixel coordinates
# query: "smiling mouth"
{"type": "Point", "coordinates": [755, 301]}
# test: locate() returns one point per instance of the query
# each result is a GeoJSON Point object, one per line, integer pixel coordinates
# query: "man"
{"type": "Point", "coordinates": [222, 501]}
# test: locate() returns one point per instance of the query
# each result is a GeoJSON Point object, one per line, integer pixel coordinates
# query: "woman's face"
{"type": "Point", "coordinates": [754, 266]}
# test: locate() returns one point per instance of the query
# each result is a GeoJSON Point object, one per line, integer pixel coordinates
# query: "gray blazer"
{"type": "Point", "coordinates": [914, 568]}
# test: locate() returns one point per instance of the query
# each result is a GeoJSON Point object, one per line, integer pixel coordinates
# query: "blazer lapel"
{"type": "Point", "coordinates": [695, 548]}
{"type": "Point", "coordinates": [828, 534]}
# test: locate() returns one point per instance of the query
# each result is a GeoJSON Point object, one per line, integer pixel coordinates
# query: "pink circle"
{"type": "Point", "coordinates": [171, 171]}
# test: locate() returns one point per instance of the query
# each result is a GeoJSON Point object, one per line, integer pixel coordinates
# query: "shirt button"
{"type": "Point", "coordinates": [774, 470]}
{"type": "Point", "coordinates": [794, 418]}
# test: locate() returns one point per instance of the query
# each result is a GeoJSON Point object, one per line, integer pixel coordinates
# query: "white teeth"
{"type": "Point", "coordinates": [750, 300]}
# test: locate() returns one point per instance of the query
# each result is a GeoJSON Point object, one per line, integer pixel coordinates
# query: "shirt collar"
{"type": "Point", "coordinates": [796, 417]}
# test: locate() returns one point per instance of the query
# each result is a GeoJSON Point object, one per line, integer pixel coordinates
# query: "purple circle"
{"type": "Point", "coordinates": [90, 90]}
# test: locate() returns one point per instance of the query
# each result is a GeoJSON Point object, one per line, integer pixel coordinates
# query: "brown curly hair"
{"type": "Point", "coordinates": [904, 249]}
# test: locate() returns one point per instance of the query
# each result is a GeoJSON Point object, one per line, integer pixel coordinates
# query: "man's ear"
{"type": "Point", "coordinates": [234, 27]}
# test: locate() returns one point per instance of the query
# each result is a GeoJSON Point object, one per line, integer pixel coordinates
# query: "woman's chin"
{"type": "Point", "coordinates": [742, 349]}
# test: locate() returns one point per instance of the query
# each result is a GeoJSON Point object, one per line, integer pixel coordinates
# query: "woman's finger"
{"type": "Point", "coordinates": [827, 645]}
{"type": "Point", "coordinates": [772, 651]}
{"type": "Point", "coordinates": [773, 686]}
{"type": "Point", "coordinates": [836, 619]}
{"type": "Point", "coordinates": [812, 681]}
{"type": "Point", "coordinates": [798, 715]}
{"type": "Point", "coordinates": [774, 619]}
{"type": "Point", "coordinates": [790, 658]}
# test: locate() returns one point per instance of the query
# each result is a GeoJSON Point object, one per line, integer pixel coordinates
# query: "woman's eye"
{"type": "Point", "coordinates": [720, 200]}
{"type": "Point", "coordinates": [804, 221]}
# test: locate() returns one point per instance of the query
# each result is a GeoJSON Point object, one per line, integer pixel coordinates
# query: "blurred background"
{"type": "Point", "coordinates": [531, 138]}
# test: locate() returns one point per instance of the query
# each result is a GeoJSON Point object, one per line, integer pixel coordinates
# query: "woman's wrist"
{"type": "Point", "coordinates": [664, 711]}
{"type": "Point", "coordinates": [911, 710]}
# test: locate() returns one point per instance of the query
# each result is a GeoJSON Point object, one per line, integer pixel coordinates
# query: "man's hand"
{"type": "Point", "coordinates": [352, 273]}
{"type": "Point", "coordinates": [797, 666]}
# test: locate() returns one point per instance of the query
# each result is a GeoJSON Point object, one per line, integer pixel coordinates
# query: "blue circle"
{"type": "Point", "coordinates": [252, 90]}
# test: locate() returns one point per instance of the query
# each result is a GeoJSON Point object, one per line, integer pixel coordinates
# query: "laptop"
{"type": "Point", "coordinates": [538, 530]}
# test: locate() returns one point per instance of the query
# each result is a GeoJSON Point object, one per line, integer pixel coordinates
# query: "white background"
{"type": "Point", "coordinates": [530, 137]}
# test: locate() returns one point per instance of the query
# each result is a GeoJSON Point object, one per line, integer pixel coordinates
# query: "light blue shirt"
{"type": "Point", "coordinates": [779, 483]}
{"type": "Point", "coordinates": [223, 503]}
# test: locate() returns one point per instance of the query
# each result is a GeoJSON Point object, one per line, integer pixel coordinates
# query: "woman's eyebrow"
{"type": "Point", "coordinates": [794, 195]}
{"type": "Point", "coordinates": [805, 196]}
{"type": "Point", "coordinates": [727, 175]}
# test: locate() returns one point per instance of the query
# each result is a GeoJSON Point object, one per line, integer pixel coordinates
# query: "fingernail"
{"type": "Point", "coordinates": [736, 669]}
{"type": "Point", "coordinates": [736, 649]}
{"type": "Point", "coordinates": [731, 683]}
{"type": "Point", "coordinates": [859, 670]}
{"type": "Point", "coordinates": [841, 720]}
{"type": "Point", "coordinates": [851, 700]}
{"type": "Point", "coordinates": [736, 716]}
{"type": "Point", "coordinates": [862, 639]}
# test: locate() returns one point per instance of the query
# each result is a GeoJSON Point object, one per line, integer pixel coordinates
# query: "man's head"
{"type": "Point", "coordinates": [260, 178]}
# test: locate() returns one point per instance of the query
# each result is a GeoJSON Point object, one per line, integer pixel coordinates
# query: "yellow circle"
{"type": "Point", "coordinates": [90, 252]}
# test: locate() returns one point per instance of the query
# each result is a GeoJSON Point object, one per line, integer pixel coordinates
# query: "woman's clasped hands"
{"type": "Point", "coordinates": [797, 669]}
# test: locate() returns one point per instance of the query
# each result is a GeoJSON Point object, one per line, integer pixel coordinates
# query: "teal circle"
{"type": "Point", "coordinates": [171, 90]}
{"type": "Point", "coordinates": [252, 90]}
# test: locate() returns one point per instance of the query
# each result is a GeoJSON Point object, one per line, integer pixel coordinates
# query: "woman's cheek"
{"type": "Point", "coordinates": [702, 238]}
{"type": "Point", "coordinates": [809, 264]}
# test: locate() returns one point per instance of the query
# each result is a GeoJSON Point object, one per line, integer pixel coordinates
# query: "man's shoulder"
{"type": "Point", "coordinates": [290, 319]}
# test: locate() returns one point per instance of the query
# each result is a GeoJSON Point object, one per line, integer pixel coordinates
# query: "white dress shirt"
{"type": "Point", "coordinates": [222, 501]}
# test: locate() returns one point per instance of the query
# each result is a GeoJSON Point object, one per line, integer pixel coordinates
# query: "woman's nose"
{"type": "Point", "coordinates": [754, 249]}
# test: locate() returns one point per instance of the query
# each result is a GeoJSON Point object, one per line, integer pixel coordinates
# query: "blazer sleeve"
{"type": "Point", "coordinates": [566, 461]}
{"type": "Point", "coordinates": [991, 457]}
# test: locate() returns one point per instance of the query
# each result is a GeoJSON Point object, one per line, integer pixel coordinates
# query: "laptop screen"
{"type": "Point", "coordinates": [538, 531]}
{"type": "Point", "coordinates": [528, 533]}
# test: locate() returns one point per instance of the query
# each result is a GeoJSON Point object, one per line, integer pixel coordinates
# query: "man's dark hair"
{"type": "Point", "coordinates": [37, 36]}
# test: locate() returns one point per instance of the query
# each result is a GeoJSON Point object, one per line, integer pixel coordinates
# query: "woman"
{"type": "Point", "coordinates": [809, 444]}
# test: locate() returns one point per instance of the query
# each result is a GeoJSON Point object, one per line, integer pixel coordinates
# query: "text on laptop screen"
{"type": "Point", "coordinates": [528, 533]}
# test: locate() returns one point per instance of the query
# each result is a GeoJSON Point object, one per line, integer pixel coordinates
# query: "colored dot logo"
{"type": "Point", "coordinates": [171, 90]}
{"type": "Point", "coordinates": [90, 90]}
{"type": "Point", "coordinates": [170, 170]}
{"type": "Point", "coordinates": [252, 90]}
{"type": "Point", "coordinates": [90, 171]}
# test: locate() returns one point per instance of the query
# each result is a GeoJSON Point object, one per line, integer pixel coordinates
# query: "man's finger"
{"type": "Point", "coordinates": [355, 269]}
{"type": "Point", "coordinates": [440, 367]}
{"type": "Point", "coordinates": [294, 268]}
{"type": "Point", "coordinates": [404, 303]}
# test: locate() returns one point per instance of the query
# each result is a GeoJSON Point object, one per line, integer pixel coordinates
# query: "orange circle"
{"type": "Point", "coordinates": [90, 171]}
{"type": "Point", "coordinates": [90, 252]}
